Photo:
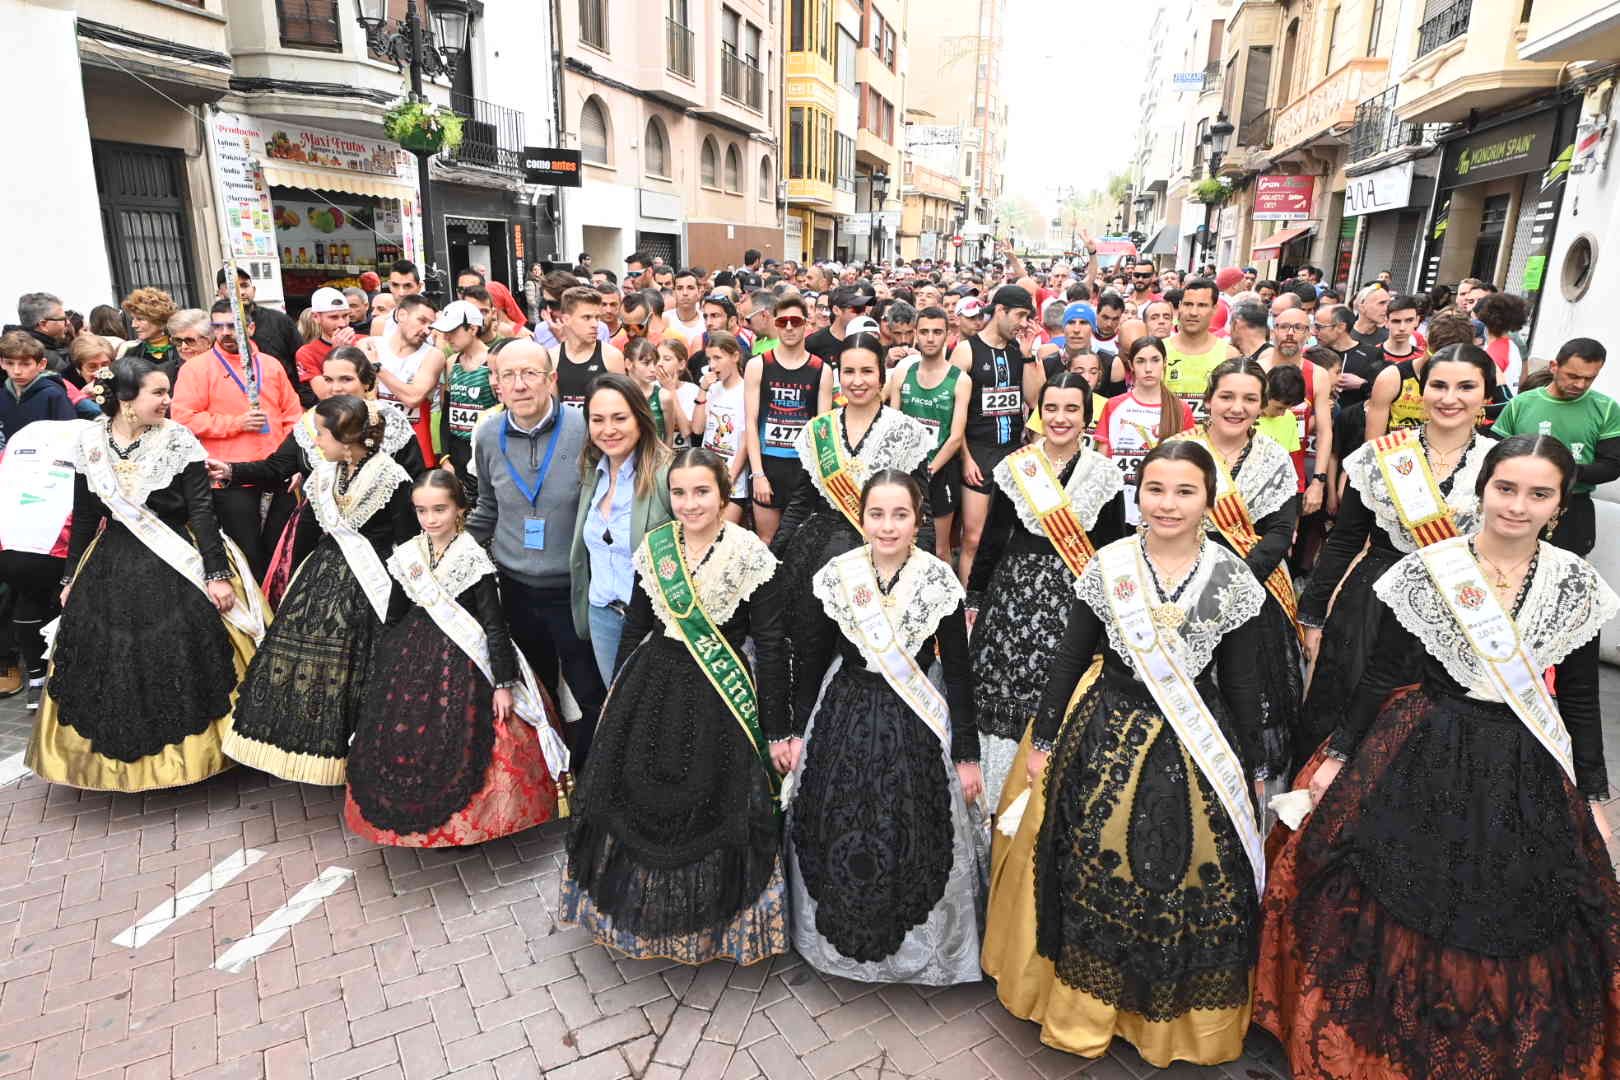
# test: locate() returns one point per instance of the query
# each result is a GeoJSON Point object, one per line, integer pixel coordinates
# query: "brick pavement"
{"type": "Point", "coordinates": [420, 965]}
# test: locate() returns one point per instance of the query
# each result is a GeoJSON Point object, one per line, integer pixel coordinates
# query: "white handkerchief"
{"type": "Point", "coordinates": [1007, 821]}
{"type": "Point", "coordinates": [787, 791]}
{"type": "Point", "coordinates": [1292, 806]}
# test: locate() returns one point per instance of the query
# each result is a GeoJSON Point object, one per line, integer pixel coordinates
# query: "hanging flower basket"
{"type": "Point", "coordinates": [422, 126]}
{"type": "Point", "coordinates": [1210, 191]}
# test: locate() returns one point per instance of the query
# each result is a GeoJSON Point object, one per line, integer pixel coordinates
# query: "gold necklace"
{"type": "Point", "coordinates": [1501, 581]}
{"type": "Point", "coordinates": [885, 591]}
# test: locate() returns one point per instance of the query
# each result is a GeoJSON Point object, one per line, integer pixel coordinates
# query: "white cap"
{"type": "Point", "coordinates": [456, 314]}
{"type": "Point", "coordinates": [328, 299]}
{"type": "Point", "coordinates": [861, 324]}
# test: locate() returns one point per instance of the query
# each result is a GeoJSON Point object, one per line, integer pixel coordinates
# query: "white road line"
{"type": "Point", "coordinates": [12, 768]}
{"type": "Point", "coordinates": [188, 899]}
{"type": "Point", "coordinates": [275, 926]}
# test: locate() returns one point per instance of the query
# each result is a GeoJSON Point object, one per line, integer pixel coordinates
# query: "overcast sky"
{"type": "Point", "coordinates": [1068, 71]}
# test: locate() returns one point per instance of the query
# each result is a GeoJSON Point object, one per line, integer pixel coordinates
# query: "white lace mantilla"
{"type": "Point", "coordinates": [1095, 481]}
{"type": "Point", "coordinates": [895, 441]}
{"type": "Point", "coordinates": [1361, 469]}
{"type": "Point", "coordinates": [1565, 606]}
{"type": "Point", "coordinates": [740, 563]}
{"type": "Point", "coordinates": [371, 489]}
{"type": "Point", "coordinates": [1222, 596]}
{"type": "Point", "coordinates": [464, 563]}
{"type": "Point", "coordinates": [161, 455]}
{"type": "Point", "coordinates": [397, 431]}
{"type": "Point", "coordinates": [924, 593]}
{"type": "Point", "coordinates": [1266, 480]}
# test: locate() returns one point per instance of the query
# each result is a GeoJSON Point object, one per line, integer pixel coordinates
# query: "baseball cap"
{"type": "Point", "coordinates": [456, 314]}
{"type": "Point", "coordinates": [1227, 277]}
{"type": "Point", "coordinates": [861, 324]}
{"type": "Point", "coordinates": [969, 306]}
{"type": "Point", "coordinates": [1013, 298]}
{"type": "Point", "coordinates": [328, 299]}
{"type": "Point", "coordinates": [853, 296]}
{"type": "Point", "coordinates": [1080, 310]}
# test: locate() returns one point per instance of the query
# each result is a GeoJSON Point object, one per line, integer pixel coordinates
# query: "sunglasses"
{"type": "Point", "coordinates": [187, 341]}
{"type": "Point", "coordinates": [788, 322]}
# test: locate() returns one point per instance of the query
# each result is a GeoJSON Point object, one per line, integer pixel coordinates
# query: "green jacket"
{"type": "Point", "coordinates": [646, 513]}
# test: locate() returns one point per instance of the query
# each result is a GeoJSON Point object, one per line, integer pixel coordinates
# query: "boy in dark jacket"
{"type": "Point", "coordinates": [28, 394]}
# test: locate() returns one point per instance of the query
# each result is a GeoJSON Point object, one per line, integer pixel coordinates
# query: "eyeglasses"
{"type": "Point", "coordinates": [1292, 329]}
{"type": "Point", "coordinates": [524, 375]}
{"type": "Point", "coordinates": [54, 318]}
{"type": "Point", "coordinates": [636, 328]}
{"type": "Point", "coordinates": [187, 341]}
{"type": "Point", "coordinates": [788, 322]}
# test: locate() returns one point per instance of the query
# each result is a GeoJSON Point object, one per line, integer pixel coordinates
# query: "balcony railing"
{"type": "Point", "coordinates": [1212, 77]}
{"type": "Point", "coordinates": [1255, 131]}
{"type": "Point", "coordinates": [593, 23]}
{"type": "Point", "coordinates": [491, 135]}
{"type": "Point", "coordinates": [679, 37]}
{"type": "Point", "coordinates": [1449, 25]}
{"type": "Point", "coordinates": [1379, 130]}
{"type": "Point", "coordinates": [740, 80]}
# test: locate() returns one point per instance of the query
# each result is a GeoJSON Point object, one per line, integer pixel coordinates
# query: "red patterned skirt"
{"type": "Point", "coordinates": [1449, 910]}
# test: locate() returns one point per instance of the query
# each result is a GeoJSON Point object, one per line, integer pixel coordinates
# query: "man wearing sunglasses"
{"type": "Point", "coordinates": [782, 389]}
{"type": "Point", "coordinates": [1144, 283]}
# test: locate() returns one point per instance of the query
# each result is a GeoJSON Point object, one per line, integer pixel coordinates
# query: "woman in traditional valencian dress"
{"type": "Point", "coordinates": [301, 698]}
{"type": "Point", "coordinates": [1449, 908]}
{"type": "Point", "coordinates": [1411, 488]}
{"type": "Point", "coordinates": [456, 742]}
{"type": "Point", "coordinates": [1047, 494]}
{"type": "Point", "coordinates": [675, 850]}
{"type": "Point", "coordinates": [161, 617]}
{"type": "Point", "coordinates": [1148, 861]}
{"type": "Point", "coordinates": [885, 846]}
{"type": "Point", "coordinates": [840, 449]}
{"type": "Point", "coordinates": [1256, 507]}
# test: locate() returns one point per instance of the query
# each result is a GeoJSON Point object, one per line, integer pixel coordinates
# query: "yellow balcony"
{"type": "Point", "coordinates": [812, 192]}
{"type": "Point", "coordinates": [1468, 62]}
{"type": "Point", "coordinates": [1570, 30]}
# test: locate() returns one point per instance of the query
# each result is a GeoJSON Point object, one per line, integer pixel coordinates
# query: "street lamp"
{"type": "Point", "coordinates": [879, 193]}
{"type": "Point", "coordinates": [435, 51]}
{"type": "Point", "coordinates": [1215, 139]}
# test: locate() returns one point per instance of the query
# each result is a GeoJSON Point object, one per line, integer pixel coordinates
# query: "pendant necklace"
{"type": "Point", "coordinates": [1167, 614]}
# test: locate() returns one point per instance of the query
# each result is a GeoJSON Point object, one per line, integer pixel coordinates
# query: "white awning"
{"type": "Point", "coordinates": [282, 174]}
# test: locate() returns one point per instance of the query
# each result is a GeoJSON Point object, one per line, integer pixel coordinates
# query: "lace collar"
{"type": "Point", "coordinates": [738, 564]}
{"type": "Point", "coordinates": [1265, 477]}
{"type": "Point", "coordinates": [1221, 596]}
{"type": "Point", "coordinates": [162, 454]}
{"type": "Point", "coordinates": [925, 591]}
{"type": "Point", "coordinates": [463, 565]}
{"type": "Point", "coordinates": [371, 489]}
{"type": "Point", "coordinates": [1564, 607]}
{"type": "Point", "coordinates": [1094, 480]}
{"type": "Point", "coordinates": [1361, 469]}
{"type": "Point", "coordinates": [894, 441]}
{"type": "Point", "coordinates": [396, 430]}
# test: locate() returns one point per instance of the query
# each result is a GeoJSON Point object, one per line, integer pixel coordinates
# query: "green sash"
{"type": "Point", "coordinates": [713, 653]}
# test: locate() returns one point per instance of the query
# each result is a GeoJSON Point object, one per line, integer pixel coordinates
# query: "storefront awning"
{"type": "Point", "coordinates": [281, 174]}
{"type": "Point", "coordinates": [1272, 245]}
{"type": "Point", "coordinates": [1163, 242]}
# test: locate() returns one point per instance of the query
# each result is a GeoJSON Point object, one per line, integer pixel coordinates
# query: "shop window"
{"type": "Point", "coordinates": [711, 164]}
{"type": "Point", "coordinates": [733, 170]}
{"type": "Point", "coordinates": [593, 132]}
{"type": "Point", "coordinates": [309, 24]}
{"type": "Point", "coordinates": [656, 149]}
{"type": "Point", "coordinates": [1492, 227]}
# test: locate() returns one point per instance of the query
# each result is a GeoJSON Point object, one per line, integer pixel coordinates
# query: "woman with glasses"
{"type": "Point", "coordinates": [623, 494]}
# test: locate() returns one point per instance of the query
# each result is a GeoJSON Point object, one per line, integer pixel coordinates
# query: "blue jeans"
{"type": "Point", "coordinates": [607, 627]}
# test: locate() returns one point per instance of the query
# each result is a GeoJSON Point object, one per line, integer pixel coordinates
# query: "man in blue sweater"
{"type": "Point", "coordinates": [527, 461]}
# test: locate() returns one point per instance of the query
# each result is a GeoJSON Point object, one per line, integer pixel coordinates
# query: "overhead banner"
{"type": "Point", "coordinates": [1284, 198]}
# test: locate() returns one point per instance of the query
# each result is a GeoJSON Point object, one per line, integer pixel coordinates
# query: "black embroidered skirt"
{"type": "Point", "coordinates": [304, 691]}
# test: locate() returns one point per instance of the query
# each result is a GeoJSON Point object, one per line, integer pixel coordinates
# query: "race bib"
{"type": "Point", "coordinates": [931, 424]}
{"type": "Point", "coordinates": [1002, 401]}
{"type": "Point", "coordinates": [782, 435]}
{"type": "Point", "coordinates": [463, 418]}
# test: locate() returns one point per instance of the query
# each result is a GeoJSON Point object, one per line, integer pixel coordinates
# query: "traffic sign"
{"type": "Point", "coordinates": [956, 241]}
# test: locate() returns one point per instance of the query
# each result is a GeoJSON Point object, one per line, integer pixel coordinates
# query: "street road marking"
{"type": "Point", "coordinates": [188, 899]}
{"type": "Point", "coordinates": [276, 925]}
{"type": "Point", "coordinates": [12, 768]}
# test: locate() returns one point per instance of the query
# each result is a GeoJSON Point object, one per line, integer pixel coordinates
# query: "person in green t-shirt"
{"type": "Point", "coordinates": [1582, 419]}
{"type": "Point", "coordinates": [936, 392]}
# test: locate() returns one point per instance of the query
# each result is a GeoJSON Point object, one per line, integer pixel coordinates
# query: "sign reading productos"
{"type": "Point", "coordinates": [1284, 198]}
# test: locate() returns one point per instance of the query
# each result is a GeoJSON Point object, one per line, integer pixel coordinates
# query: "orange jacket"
{"type": "Point", "coordinates": [208, 400]}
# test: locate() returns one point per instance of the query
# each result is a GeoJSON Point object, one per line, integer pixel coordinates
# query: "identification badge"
{"type": "Point", "coordinates": [1003, 401]}
{"type": "Point", "coordinates": [782, 434]}
{"type": "Point", "coordinates": [534, 534]}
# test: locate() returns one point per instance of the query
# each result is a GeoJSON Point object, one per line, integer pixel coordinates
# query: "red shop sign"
{"type": "Point", "coordinates": [1284, 198]}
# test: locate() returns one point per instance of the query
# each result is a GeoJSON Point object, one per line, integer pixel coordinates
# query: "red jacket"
{"type": "Point", "coordinates": [208, 400]}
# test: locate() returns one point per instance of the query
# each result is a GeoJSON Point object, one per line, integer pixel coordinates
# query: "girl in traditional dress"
{"type": "Point", "coordinates": [161, 617]}
{"type": "Point", "coordinates": [885, 858]}
{"type": "Point", "coordinates": [840, 449]}
{"type": "Point", "coordinates": [1449, 908]}
{"type": "Point", "coordinates": [1046, 495]}
{"type": "Point", "coordinates": [674, 850]}
{"type": "Point", "coordinates": [456, 742]}
{"type": "Point", "coordinates": [1255, 509]}
{"type": "Point", "coordinates": [1148, 861]}
{"type": "Point", "coordinates": [1410, 488]}
{"type": "Point", "coordinates": [302, 696]}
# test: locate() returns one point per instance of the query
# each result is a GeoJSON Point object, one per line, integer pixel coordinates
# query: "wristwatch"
{"type": "Point", "coordinates": [1322, 476]}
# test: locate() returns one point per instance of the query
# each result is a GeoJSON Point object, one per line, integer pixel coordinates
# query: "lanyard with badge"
{"type": "Point", "coordinates": [534, 527]}
{"type": "Point", "coordinates": [251, 363]}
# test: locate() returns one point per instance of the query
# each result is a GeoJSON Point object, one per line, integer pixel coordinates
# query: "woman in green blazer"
{"type": "Point", "coordinates": [624, 492]}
